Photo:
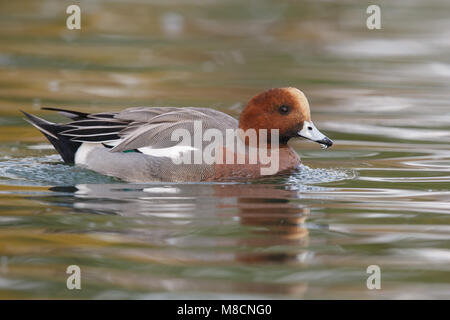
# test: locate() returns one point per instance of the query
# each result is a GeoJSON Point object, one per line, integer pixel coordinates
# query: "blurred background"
{"type": "Point", "coordinates": [379, 196]}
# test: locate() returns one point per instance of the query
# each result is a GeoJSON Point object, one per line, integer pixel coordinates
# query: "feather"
{"type": "Point", "coordinates": [97, 123]}
{"type": "Point", "coordinates": [160, 123]}
{"type": "Point", "coordinates": [89, 131]}
{"type": "Point", "coordinates": [96, 138]}
{"type": "Point", "coordinates": [68, 113]}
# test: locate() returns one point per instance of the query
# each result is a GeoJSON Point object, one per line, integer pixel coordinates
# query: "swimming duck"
{"type": "Point", "coordinates": [137, 143]}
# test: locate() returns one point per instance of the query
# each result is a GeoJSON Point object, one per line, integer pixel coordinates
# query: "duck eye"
{"type": "Point", "coordinates": [284, 109]}
{"type": "Point", "coordinates": [309, 128]}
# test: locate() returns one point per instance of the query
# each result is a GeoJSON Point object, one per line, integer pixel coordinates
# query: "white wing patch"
{"type": "Point", "coordinates": [172, 152]}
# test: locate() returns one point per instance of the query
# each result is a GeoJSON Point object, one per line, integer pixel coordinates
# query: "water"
{"type": "Point", "coordinates": [379, 196]}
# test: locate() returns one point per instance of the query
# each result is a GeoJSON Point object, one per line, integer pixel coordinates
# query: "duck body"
{"type": "Point", "coordinates": [138, 145]}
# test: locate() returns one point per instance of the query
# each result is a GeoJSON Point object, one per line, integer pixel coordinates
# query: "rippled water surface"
{"type": "Point", "coordinates": [380, 196]}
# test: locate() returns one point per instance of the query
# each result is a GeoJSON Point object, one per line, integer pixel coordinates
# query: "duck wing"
{"type": "Point", "coordinates": [139, 127]}
{"type": "Point", "coordinates": [153, 127]}
{"type": "Point", "coordinates": [96, 127]}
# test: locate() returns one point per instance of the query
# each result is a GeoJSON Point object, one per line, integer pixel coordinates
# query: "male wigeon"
{"type": "Point", "coordinates": [137, 144]}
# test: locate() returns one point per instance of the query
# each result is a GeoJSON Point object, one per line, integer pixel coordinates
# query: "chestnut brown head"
{"type": "Point", "coordinates": [285, 109]}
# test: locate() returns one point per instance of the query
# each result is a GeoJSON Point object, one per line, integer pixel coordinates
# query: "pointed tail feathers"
{"type": "Point", "coordinates": [65, 147]}
{"type": "Point", "coordinates": [74, 115]}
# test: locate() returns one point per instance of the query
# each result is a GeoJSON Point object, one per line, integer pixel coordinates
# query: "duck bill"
{"type": "Point", "coordinates": [310, 132]}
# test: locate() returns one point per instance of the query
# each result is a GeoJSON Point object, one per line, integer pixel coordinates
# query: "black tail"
{"type": "Point", "coordinates": [65, 147]}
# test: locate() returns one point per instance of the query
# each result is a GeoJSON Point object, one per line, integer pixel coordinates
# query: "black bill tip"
{"type": "Point", "coordinates": [325, 143]}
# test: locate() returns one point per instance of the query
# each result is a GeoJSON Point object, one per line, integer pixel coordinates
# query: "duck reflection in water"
{"type": "Point", "coordinates": [271, 214]}
{"type": "Point", "coordinates": [272, 222]}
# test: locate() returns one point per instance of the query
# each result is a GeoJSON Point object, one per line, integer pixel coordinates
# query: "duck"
{"type": "Point", "coordinates": [138, 145]}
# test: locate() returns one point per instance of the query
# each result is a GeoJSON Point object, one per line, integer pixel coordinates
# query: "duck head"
{"type": "Point", "coordinates": [285, 109]}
